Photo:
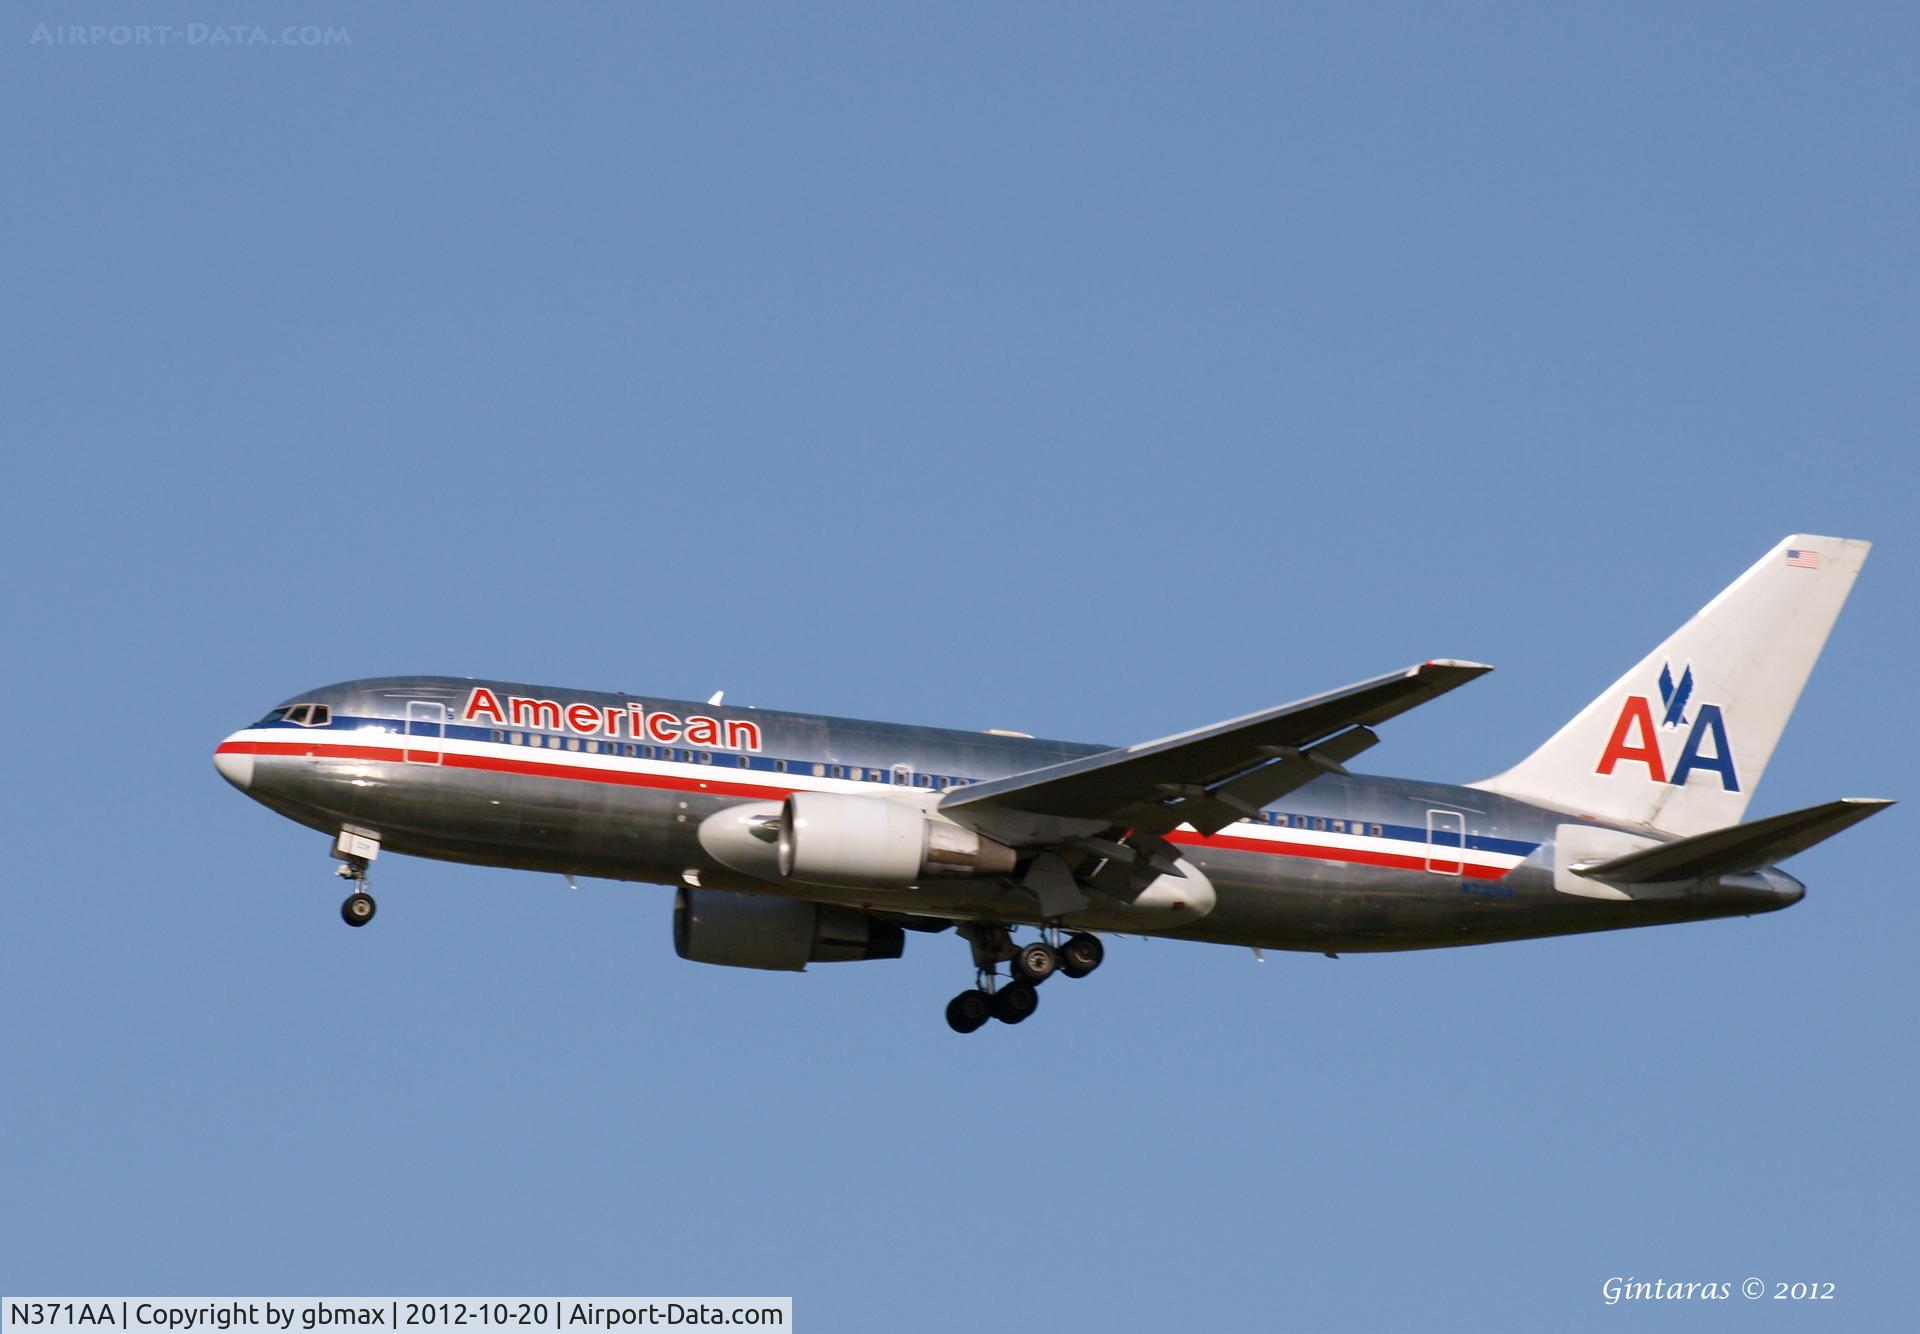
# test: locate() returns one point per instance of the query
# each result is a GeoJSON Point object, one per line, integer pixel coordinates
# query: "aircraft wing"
{"type": "Point", "coordinates": [1206, 778]}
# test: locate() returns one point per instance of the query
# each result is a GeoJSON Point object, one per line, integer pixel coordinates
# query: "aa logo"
{"type": "Point", "coordinates": [1637, 739]}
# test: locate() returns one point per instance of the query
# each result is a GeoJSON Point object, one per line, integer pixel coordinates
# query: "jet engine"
{"type": "Point", "coordinates": [757, 931]}
{"type": "Point", "coordinates": [872, 842]}
{"type": "Point", "coordinates": [848, 841]}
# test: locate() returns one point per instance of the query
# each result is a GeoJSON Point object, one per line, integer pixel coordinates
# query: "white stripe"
{"type": "Point", "coordinates": [1398, 847]}
{"type": "Point", "coordinates": [720, 772]}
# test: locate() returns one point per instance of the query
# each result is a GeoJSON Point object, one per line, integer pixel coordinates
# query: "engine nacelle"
{"type": "Point", "coordinates": [759, 931]}
{"type": "Point", "coordinates": [829, 838]}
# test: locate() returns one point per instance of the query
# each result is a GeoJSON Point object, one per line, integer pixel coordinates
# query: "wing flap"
{"type": "Point", "coordinates": [1216, 807]}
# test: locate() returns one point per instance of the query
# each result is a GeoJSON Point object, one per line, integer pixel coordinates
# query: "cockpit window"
{"type": "Point", "coordinates": [306, 715]}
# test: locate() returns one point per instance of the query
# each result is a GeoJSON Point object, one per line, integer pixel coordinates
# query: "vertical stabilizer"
{"type": "Point", "coordinates": [1679, 743]}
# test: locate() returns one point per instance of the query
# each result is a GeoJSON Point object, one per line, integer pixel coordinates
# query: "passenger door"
{"type": "Point", "coordinates": [426, 719]}
{"type": "Point", "coordinates": [1446, 838]}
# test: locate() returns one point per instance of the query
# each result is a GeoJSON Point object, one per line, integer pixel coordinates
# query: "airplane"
{"type": "Point", "coordinates": [796, 838]}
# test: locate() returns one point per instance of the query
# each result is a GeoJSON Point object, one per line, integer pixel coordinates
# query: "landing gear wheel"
{"type": "Point", "coordinates": [359, 908]}
{"type": "Point", "coordinates": [969, 1010]}
{"type": "Point", "coordinates": [1037, 962]}
{"type": "Point", "coordinates": [1080, 954]}
{"type": "Point", "coordinates": [1014, 1002]}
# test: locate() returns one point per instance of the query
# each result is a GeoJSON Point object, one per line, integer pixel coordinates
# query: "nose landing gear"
{"type": "Point", "coordinates": [1014, 1000]}
{"type": "Point", "coordinates": [359, 908]}
{"type": "Point", "coordinates": [355, 853]}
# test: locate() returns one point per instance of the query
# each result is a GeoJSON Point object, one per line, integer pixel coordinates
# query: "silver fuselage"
{"type": "Point", "coordinates": [619, 786]}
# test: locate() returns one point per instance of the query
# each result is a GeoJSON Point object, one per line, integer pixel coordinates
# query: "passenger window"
{"type": "Point", "coordinates": [819, 771]}
{"type": "Point", "coordinates": [499, 736]}
{"type": "Point", "coordinates": [921, 780]}
{"type": "Point", "coordinates": [573, 743]}
{"type": "Point", "coordinates": [593, 748]}
{"type": "Point", "coordinates": [902, 775]}
{"type": "Point", "coordinates": [519, 738]}
{"type": "Point", "coordinates": [1339, 826]}
{"type": "Point", "coordinates": [1376, 831]}
{"type": "Point", "coordinates": [779, 766]}
{"type": "Point", "coordinates": [706, 757]}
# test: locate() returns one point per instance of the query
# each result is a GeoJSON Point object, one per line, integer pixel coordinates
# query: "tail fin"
{"type": "Point", "coordinates": [1679, 743]}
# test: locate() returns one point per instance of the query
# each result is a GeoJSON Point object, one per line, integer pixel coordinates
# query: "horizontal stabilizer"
{"type": "Point", "coordinates": [1741, 847]}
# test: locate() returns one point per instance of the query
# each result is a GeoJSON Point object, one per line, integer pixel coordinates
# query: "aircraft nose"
{"type": "Point", "coordinates": [234, 765]}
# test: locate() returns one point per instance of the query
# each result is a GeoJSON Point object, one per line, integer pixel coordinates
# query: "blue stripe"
{"type": "Point", "coordinates": [1475, 842]}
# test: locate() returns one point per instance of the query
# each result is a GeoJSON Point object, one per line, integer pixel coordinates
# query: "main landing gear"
{"type": "Point", "coordinates": [355, 853]}
{"type": "Point", "coordinates": [1013, 1000]}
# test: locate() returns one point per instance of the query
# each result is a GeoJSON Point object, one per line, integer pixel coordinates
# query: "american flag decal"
{"type": "Point", "coordinates": [1800, 558]}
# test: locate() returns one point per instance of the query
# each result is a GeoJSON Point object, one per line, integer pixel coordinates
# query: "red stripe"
{"type": "Point", "coordinates": [532, 768]}
{"type": "Point", "coordinates": [1358, 856]}
{"type": "Point", "coordinates": [765, 792]}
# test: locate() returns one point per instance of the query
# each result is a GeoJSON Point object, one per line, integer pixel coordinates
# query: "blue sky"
{"type": "Point", "coordinates": [1091, 371]}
